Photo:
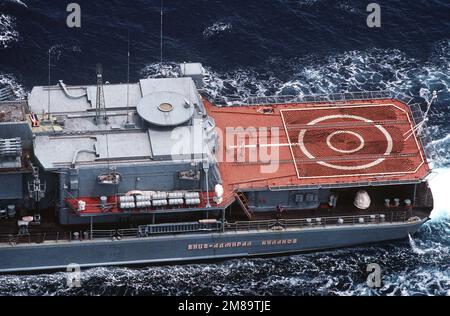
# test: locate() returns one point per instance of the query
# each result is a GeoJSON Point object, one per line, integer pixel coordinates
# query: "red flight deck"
{"type": "Point", "coordinates": [320, 143]}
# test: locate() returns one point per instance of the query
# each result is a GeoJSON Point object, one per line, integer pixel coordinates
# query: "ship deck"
{"type": "Point", "coordinates": [317, 144]}
{"type": "Point", "coordinates": [12, 111]}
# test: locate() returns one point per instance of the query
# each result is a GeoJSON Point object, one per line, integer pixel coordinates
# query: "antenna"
{"type": "Point", "coordinates": [409, 133]}
{"type": "Point", "coordinates": [100, 104]}
{"type": "Point", "coordinates": [128, 79]}
{"type": "Point", "coordinates": [161, 30]}
{"type": "Point", "coordinates": [49, 82]}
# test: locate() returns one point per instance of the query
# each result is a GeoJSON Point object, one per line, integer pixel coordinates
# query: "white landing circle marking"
{"type": "Point", "coordinates": [386, 134]}
{"type": "Point", "coordinates": [346, 151]}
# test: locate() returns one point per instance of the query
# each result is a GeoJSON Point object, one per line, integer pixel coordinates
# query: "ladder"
{"type": "Point", "coordinates": [243, 202]}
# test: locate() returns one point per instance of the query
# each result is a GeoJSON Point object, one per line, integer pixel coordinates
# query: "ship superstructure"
{"type": "Point", "coordinates": [154, 171]}
{"type": "Point", "coordinates": [132, 150]}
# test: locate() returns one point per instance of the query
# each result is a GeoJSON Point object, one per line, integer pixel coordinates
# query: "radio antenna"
{"type": "Point", "coordinates": [100, 106]}
{"type": "Point", "coordinates": [128, 78]}
{"type": "Point", "coordinates": [161, 33]}
{"type": "Point", "coordinates": [49, 81]}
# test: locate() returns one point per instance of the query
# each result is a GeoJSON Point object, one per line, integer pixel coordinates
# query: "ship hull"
{"type": "Point", "coordinates": [195, 247]}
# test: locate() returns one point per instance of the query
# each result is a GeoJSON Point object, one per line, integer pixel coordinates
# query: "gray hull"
{"type": "Point", "coordinates": [183, 248]}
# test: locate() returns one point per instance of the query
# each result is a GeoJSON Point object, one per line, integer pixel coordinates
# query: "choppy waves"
{"type": "Point", "coordinates": [9, 79]}
{"type": "Point", "coordinates": [8, 34]}
{"type": "Point", "coordinates": [370, 70]}
{"type": "Point", "coordinates": [217, 28]}
{"type": "Point", "coordinates": [8, 25]}
{"type": "Point", "coordinates": [17, 2]}
{"type": "Point", "coordinates": [419, 266]}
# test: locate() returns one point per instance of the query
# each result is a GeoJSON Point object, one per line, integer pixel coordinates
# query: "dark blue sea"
{"type": "Point", "coordinates": [261, 47]}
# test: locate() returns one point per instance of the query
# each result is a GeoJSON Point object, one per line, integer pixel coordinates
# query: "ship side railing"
{"type": "Point", "coordinates": [35, 238]}
{"type": "Point", "coordinates": [191, 227]}
{"type": "Point", "coordinates": [56, 237]}
{"type": "Point", "coordinates": [423, 134]}
{"type": "Point", "coordinates": [419, 120]}
{"type": "Point", "coordinates": [340, 185]}
{"type": "Point", "coordinates": [141, 231]}
{"type": "Point", "coordinates": [390, 217]}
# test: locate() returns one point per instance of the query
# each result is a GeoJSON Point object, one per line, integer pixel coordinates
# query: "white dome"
{"type": "Point", "coordinates": [362, 200]}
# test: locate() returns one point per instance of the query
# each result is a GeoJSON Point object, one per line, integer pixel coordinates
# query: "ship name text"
{"type": "Point", "coordinates": [241, 244]}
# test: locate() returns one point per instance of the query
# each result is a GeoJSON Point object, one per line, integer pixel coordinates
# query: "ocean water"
{"type": "Point", "coordinates": [262, 47]}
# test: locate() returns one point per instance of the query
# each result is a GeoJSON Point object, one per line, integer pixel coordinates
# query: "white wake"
{"type": "Point", "coordinates": [439, 185]}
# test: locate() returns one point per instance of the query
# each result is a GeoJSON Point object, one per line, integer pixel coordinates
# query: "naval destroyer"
{"type": "Point", "coordinates": [156, 171]}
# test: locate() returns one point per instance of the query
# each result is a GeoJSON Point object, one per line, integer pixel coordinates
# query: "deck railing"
{"type": "Point", "coordinates": [287, 99]}
{"type": "Point", "coordinates": [161, 229]}
{"type": "Point", "coordinates": [342, 185]}
{"type": "Point", "coordinates": [37, 238]}
{"type": "Point", "coordinates": [392, 217]}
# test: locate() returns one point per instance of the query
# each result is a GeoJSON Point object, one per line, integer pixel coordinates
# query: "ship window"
{"type": "Point", "coordinates": [309, 197]}
{"type": "Point", "coordinates": [299, 198]}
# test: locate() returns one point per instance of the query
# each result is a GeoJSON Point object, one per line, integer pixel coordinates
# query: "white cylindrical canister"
{"type": "Point", "coordinates": [103, 201]}
{"type": "Point", "coordinates": [218, 193]}
{"type": "Point", "coordinates": [141, 198]}
{"type": "Point", "coordinates": [176, 195]}
{"type": "Point", "coordinates": [160, 195]}
{"type": "Point", "coordinates": [176, 202]}
{"type": "Point", "coordinates": [194, 201]}
{"type": "Point", "coordinates": [218, 190]}
{"type": "Point", "coordinates": [191, 195]}
{"type": "Point", "coordinates": [81, 206]}
{"type": "Point", "coordinates": [159, 202]}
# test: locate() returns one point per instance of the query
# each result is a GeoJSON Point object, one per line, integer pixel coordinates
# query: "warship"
{"type": "Point", "coordinates": [159, 172]}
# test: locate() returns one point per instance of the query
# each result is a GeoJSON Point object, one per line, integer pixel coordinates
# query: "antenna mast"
{"type": "Point", "coordinates": [161, 33]}
{"type": "Point", "coordinates": [128, 79]}
{"type": "Point", "coordinates": [49, 82]}
{"type": "Point", "coordinates": [100, 104]}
